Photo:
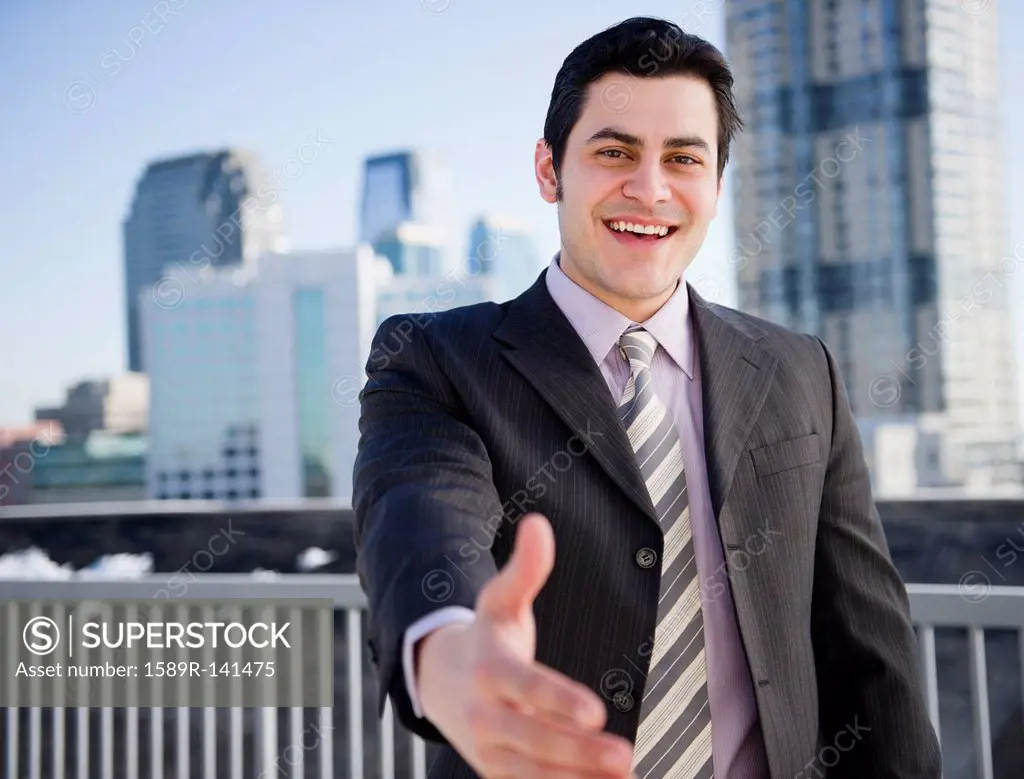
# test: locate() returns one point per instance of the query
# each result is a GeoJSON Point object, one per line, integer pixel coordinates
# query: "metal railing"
{"type": "Point", "coordinates": [932, 606]}
{"type": "Point", "coordinates": [976, 610]}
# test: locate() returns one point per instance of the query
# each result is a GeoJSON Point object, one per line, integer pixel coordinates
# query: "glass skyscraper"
{"type": "Point", "coordinates": [402, 188]}
{"type": "Point", "coordinates": [501, 250]}
{"type": "Point", "coordinates": [192, 213]}
{"type": "Point", "coordinates": [869, 204]}
{"type": "Point", "coordinates": [412, 249]}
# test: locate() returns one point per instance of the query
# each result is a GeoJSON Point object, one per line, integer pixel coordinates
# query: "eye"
{"type": "Point", "coordinates": [615, 154]}
{"type": "Point", "coordinates": [685, 159]}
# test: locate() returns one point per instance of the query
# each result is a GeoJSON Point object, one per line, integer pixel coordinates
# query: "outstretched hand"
{"type": "Point", "coordinates": [504, 713]}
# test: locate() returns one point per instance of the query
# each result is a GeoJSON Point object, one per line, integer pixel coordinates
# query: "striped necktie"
{"type": "Point", "coordinates": [674, 735]}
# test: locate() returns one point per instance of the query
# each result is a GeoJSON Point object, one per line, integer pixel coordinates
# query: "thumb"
{"type": "Point", "coordinates": [520, 581]}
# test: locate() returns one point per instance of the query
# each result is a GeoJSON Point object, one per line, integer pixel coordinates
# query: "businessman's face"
{"type": "Point", "coordinates": [643, 153]}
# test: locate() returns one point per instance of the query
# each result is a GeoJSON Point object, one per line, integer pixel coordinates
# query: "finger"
{"type": "Point", "coordinates": [504, 763]}
{"type": "Point", "coordinates": [545, 692]}
{"type": "Point", "coordinates": [565, 747]}
{"type": "Point", "coordinates": [516, 586]}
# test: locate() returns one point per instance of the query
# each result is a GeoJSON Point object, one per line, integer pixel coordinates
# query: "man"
{"type": "Point", "coordinates": [609, 529]}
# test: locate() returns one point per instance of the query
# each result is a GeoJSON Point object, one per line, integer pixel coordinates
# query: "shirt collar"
{"type": "Point", "coordinates": [599, 325]}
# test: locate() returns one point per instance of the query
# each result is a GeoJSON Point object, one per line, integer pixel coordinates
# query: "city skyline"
{"type": "Point", "coordinates": [119, 93]}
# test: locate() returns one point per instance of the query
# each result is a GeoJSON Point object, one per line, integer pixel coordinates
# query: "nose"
{"type": "Point", "coordinates": [647, 184]}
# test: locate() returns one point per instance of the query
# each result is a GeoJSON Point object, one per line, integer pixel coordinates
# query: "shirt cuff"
{"type": "Point", "coordinates": [449, 615]}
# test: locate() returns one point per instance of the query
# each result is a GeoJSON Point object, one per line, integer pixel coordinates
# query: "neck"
{"type": "Point", "coordinates": [637, 309]}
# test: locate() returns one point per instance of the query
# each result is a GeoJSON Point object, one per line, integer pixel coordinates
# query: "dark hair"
{"type": "Point", "coordinates": [655, 47]}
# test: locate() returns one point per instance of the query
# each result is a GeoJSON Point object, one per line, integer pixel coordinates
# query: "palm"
{"type": "Point", "coordinates": [518, 635]}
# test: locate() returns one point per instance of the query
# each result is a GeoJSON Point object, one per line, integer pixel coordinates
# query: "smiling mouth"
{"type": "Point", "coordinates": [637, 232]}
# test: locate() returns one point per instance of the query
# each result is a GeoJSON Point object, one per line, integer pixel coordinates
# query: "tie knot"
{"type": "Point", "coordinates": [638, 346]}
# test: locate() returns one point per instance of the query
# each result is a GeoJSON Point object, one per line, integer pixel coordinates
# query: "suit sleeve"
{"type": "Point", "coordinates": [422, 490]}
{"type": "Point", "coordinates": [872, 710]}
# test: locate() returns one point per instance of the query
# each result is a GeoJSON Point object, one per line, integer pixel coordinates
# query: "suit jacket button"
{"type": "Point", "coordinates": [646, 557]}
{"type": "Point", "coordinates": [622, 701]}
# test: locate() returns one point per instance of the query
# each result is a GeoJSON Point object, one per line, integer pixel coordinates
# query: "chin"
{"type": "Point", "coordinates": [636, 285]}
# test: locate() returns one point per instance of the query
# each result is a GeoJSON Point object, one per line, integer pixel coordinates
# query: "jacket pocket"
{"type": "Point", "coordinates": [784, 455]}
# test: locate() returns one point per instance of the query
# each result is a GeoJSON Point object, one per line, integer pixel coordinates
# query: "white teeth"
{"type": "Point", "coordinates": [659, 230]}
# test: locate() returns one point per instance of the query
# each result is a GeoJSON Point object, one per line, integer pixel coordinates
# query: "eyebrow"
{"type": "Point", "coordinates": [680, 141]}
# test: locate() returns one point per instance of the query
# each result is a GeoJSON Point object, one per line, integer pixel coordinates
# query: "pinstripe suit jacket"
{"type": "Point", "coordinates": [472, 417]}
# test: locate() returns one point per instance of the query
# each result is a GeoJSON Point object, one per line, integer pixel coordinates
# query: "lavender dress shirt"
{"type": "Point", "coordinates": [738, 746]}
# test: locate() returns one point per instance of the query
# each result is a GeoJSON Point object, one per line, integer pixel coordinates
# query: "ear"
{"type": "Point", "coordinates": [544, 168]}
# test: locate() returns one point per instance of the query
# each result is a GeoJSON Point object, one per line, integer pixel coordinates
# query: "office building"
{"type": "Point", "coordinates": [411, 186]}
{"type": "Point", "coordinates": [902, 455]}
{"type": "Point", "coordinates": [253, 378]}
{"type": "Point", "coordinates": [502, 250]}
{"type": "Point", "coordinates": [427, 295]}
{"type": "Point", "coordinates": [870, 207]}
{"type": "Point", "coordinates": [195, 212]}
{"type": "Point", "coordinates": [21, 449]}
{"type": "Point", "coordinates": [101, 466]}
{"type": "Point", "coordinates": [414, 250]}
{"type": "Point", "coordinates": [117, 405]}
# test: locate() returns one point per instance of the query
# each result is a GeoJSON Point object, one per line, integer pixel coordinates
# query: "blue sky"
{"type": "Point", "coordinates": [469, 79]}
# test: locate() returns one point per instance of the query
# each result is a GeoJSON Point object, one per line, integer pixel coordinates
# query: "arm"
{"type": "Point", "coordinates": [422, 488]}
{"type": "Point", "coordinates": [864, 642]}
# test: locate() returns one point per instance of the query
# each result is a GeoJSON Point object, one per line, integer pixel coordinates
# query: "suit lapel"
{"type": "Point", "coordinates": [544, 347]}
{"type": "Point", "coordinates": [736, 373]}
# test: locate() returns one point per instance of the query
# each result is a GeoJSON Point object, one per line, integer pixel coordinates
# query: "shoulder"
{"type": "Point", "coordinates": [792, 347]}
{"type": "Point", "coordinates": [805, 379]}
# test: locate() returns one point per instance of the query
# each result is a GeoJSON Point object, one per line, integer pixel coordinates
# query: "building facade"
{"type": "Point", "coordinates": [102, 466]}
{"type": "Point", "coordinates": [502, 250]}
{"type": "Point", "coordinates": [412, 250]}
{"type": "Point", "coordinates": [420, 294]}
{"type": "Point", "coordinates": [195, 212]}
{"type": "Point", "coordinates": [247, 378]}
{"type": "Point", "coordinates": [117, 405]}
{"type": "Point", "coordinates": [869, 205]}
{"type": "Point", "coordinates": [410, 186]}
{"type": "Point", "coordinates": [21, 451]}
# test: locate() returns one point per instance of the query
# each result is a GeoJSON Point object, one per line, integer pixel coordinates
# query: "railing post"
{"type": "Point", "coordinates": [930, 677]}
{"type": "Point", "coordinates": [355, 693]}
{"type": "Point", "coordinates": [979, 698]}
